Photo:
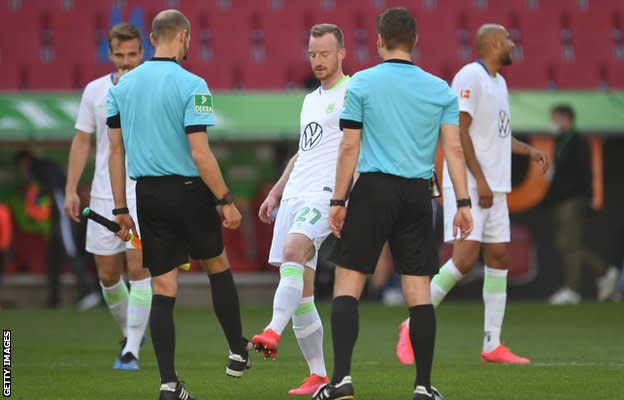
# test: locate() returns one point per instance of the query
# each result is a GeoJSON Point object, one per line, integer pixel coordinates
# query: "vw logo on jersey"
{"type": "Point", "coordinates": [311, 137]}
{"type": "Point", "coordinates": [504, 124]}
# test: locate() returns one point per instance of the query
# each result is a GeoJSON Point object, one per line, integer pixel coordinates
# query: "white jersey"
{"type": "Point", "coordinates": [92, 118]}
{"type": "Point", "coordinates": [314, 172]}
{"type": "Point", "coordinates": [486, 99]}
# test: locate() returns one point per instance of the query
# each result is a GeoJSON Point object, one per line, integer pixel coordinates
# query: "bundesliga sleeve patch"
{"type": "Point", "coordinates": [465, 94]}
{"type": "Point", "coordinates": [203, 104]}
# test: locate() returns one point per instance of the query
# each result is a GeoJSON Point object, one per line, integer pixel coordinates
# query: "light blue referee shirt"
{"type": "Point", "coordinates": [158, 103]}
{"type": "Point", "coordinates": [400, 108]}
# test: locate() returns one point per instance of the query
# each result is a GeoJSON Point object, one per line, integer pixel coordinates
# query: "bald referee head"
{"type": "Point", "coordinates": [171, 30]}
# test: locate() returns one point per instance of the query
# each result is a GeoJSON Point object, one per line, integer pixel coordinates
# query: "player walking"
{"type": "Point", "coordinates": [130, 309]}
{"type": "Point", "coordinates": [305, 188]}
{"type": "Point", "coordinates": [485, 130]}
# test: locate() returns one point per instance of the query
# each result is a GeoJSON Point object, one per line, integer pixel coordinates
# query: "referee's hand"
{"type": "Point", "coordinates": [231, 216]}
{"type": "Point", "coordinates": [127, 224]}
{"type": "Point", "coordinates": [337, 216]}
{"type": "Point", "coordinates": [462, 224]}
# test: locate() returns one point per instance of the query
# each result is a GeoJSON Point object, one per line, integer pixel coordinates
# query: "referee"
{"type": "Point", "coordinates": [158, 114]}
{"type": "Point", "coordinates": [392, 118]}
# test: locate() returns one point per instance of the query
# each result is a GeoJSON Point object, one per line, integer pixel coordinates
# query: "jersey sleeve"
{"type": "Point", "coordinates": [113, 120]}
{"type": "Point", "coordinates": [86, 114]}
{"type": "Point", "coordinates": [199, 108]}
{"type": "Point", "coordinates": [450, 113]}
{"type": "Point", "coordinates": [353, 109]}
{"type": "Point", "coordinates": [466, 87]}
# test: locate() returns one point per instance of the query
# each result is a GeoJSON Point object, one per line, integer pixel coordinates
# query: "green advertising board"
{"type": "Point", "coordinates": [271, 116]}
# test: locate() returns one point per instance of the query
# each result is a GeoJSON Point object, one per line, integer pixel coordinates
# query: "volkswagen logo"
{"type": "Point", "coordinates": [311, 137]}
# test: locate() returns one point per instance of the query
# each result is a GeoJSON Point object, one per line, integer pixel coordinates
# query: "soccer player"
{"type": "Point", "coordinates": [485, 130]}
{"type": "Point", "coordinates": [302, 223]}
{"type": "Point", "coordinates": [394, 112]}
{"type": "Point", "coordinates": [159, 113]}
{"type": "Point", "coordinates": [130, 309]}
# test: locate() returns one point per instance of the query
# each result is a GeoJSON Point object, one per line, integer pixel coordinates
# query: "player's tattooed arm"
{"type": "Point", "coordinates": [270, 204]}
{"type": "Point", "coordinates": [518, 147]}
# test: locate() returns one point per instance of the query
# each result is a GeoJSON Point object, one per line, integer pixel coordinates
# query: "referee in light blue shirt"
{"type": "Point", "coordinates": [393, 115]}
{"type": "Point", "coordinates": [158, 115]}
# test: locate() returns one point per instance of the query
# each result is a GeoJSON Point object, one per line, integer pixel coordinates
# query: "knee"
{"type": "Point", "coordinates": [294, 254]}
{"type": "Point", "coordinates": [138, 274]}
{"type": "Point", "coordinates": [164, 286]}
{"type": "Point", "coordinates": [498, 259]}
{"type": "Point", "coordinates": [465, 261]}
{"type": "Point", "coordinates": [108, 277]}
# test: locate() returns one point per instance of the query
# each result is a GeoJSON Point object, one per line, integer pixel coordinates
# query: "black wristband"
{"type": "Point", "coordinates": [121, 210]}
{"type": "Point", "coordinates": [464, 203]}
{"type": "Point", "coordinates": [336, 202]}
{"type": "Point", "coordinates": [227, 199]}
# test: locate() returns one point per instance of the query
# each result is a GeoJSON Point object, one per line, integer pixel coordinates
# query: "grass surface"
{"type": "Point", "coordinates": [577, 353]}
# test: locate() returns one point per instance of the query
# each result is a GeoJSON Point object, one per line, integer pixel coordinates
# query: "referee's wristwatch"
{"type": "Point", "coordinates": [464, 203]}
{"type": "Point", "coordinates": [227, 199]}
{"type": "Point", "coordinates": [337, 202]}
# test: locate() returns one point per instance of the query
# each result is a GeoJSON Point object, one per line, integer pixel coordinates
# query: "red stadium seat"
{"type": "Point", "coordinates": [591, 35]}
{"type": "Point", "coordinates": [53, 76]}
{"type": "Point", "coordinates": [21, 35]}
{"type": "Point", "coordinates": [526, 75]}
{"type": "Point", "coordinates": [541, 35]}
{"type": "Point", "coordinates": [615, 75]}
{"type": "Point", "coordinates": [9, 73]}
{"type": "Point", "coordinates": [73, 36]}
{"type": "Point", "coordinates": [264, 76]}
{"type": "Point", "coordinates": [578, 75]}
{"type": "Point", "coordinates": [437, 38]}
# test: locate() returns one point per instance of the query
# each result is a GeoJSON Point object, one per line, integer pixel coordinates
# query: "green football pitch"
{"type": "Point", "coordinates": [577, 353]}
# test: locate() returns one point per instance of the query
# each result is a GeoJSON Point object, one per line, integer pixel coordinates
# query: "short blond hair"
{"type": "Point", "coordinates": [323, 29]}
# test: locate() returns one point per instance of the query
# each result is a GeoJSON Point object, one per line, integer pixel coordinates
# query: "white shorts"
{"type": "Point", "coordinates": [309, 217]}
{"type": "Point", "coordinates": [100, 241]}
{"type": "Point", "coordinates": [490, 225]}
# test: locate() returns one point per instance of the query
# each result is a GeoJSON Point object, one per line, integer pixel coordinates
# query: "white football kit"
{"type": "Point", "coordinates": [304, 207]}
{"type": "Point", "coordinates": [92, 119]}
{"type": "Point", "coordinates": [486, 99]}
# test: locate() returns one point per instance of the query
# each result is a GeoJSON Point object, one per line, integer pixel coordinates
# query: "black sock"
{"type": "Point", "coordinates": [225, 303]}
{"type": "Point", "coordinates": [422, 328]}
{"type": "Point", "coordinates": [162, 330]}
{"type": "Point", "coordinates": [344, 326]}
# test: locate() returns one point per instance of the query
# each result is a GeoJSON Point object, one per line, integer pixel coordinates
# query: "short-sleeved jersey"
{"type": "Point", "coordinates": [486, 99]}
{"type": "Point", "coordinates": [92, 119]}
{"type": "Point", "coordinates": [315, 169]}
{"type": "Point", "coordinates": [401, 108]}
{"type": "Point", "coordinates": [158, 103]}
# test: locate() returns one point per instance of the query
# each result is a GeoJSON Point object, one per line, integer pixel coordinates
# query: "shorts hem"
{"type": "Point", "coordinates": [100, 252]}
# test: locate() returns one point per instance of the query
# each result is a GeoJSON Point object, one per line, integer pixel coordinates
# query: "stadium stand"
{"type": "Point", "coordinates": [568, 44]}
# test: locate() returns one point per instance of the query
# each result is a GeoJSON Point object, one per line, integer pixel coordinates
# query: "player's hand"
{"type": "Point", "coordinates": [540, 158]}
{"type": "Point", "coordinates": [486, 197]}
{"type": "Point", "coordinates": [72, 206]}
{"type": "Point", "coordinates": [462, 224]}
{"type": "Point", "coordinates": [118, 74]}
{"type": "Point", "coordinates": [266, 209]}
{"type": "Point", "coordinates": [231, 216]}
{"type": "Point", "coordinates": [127, 226]}
{"type": "Point", "coordinates": [337, 215]}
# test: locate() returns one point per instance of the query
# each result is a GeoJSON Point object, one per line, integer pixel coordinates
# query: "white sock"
{"type": "Point", "coordinates": [139, 307]}
{"type": "Point", "coordinates": [444, 281]}
{"type": "Point", "coordinates": [309, 333]}
{"type": "Point", "coordinates": [495, 299]}
{"type": "Point", "coordinates": [116, 298]}
{"type": "Point", "coordinates": [287, 296]}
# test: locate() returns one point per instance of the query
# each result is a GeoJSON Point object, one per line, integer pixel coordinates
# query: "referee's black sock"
{"type": "Point", "coordinates": [162, 330]}
{"type": "Point", "coordinates": [344, 325]}
{"type": "Point", "coordinates": [225, 303]}
{"type": "Point", "coordinates": [422, 328]}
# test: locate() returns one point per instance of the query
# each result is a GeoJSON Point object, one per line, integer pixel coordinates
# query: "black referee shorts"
{"type": "Point", "coordinates": [388, 208]}
{"type": "Point", "coordinates": [178, 218]}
